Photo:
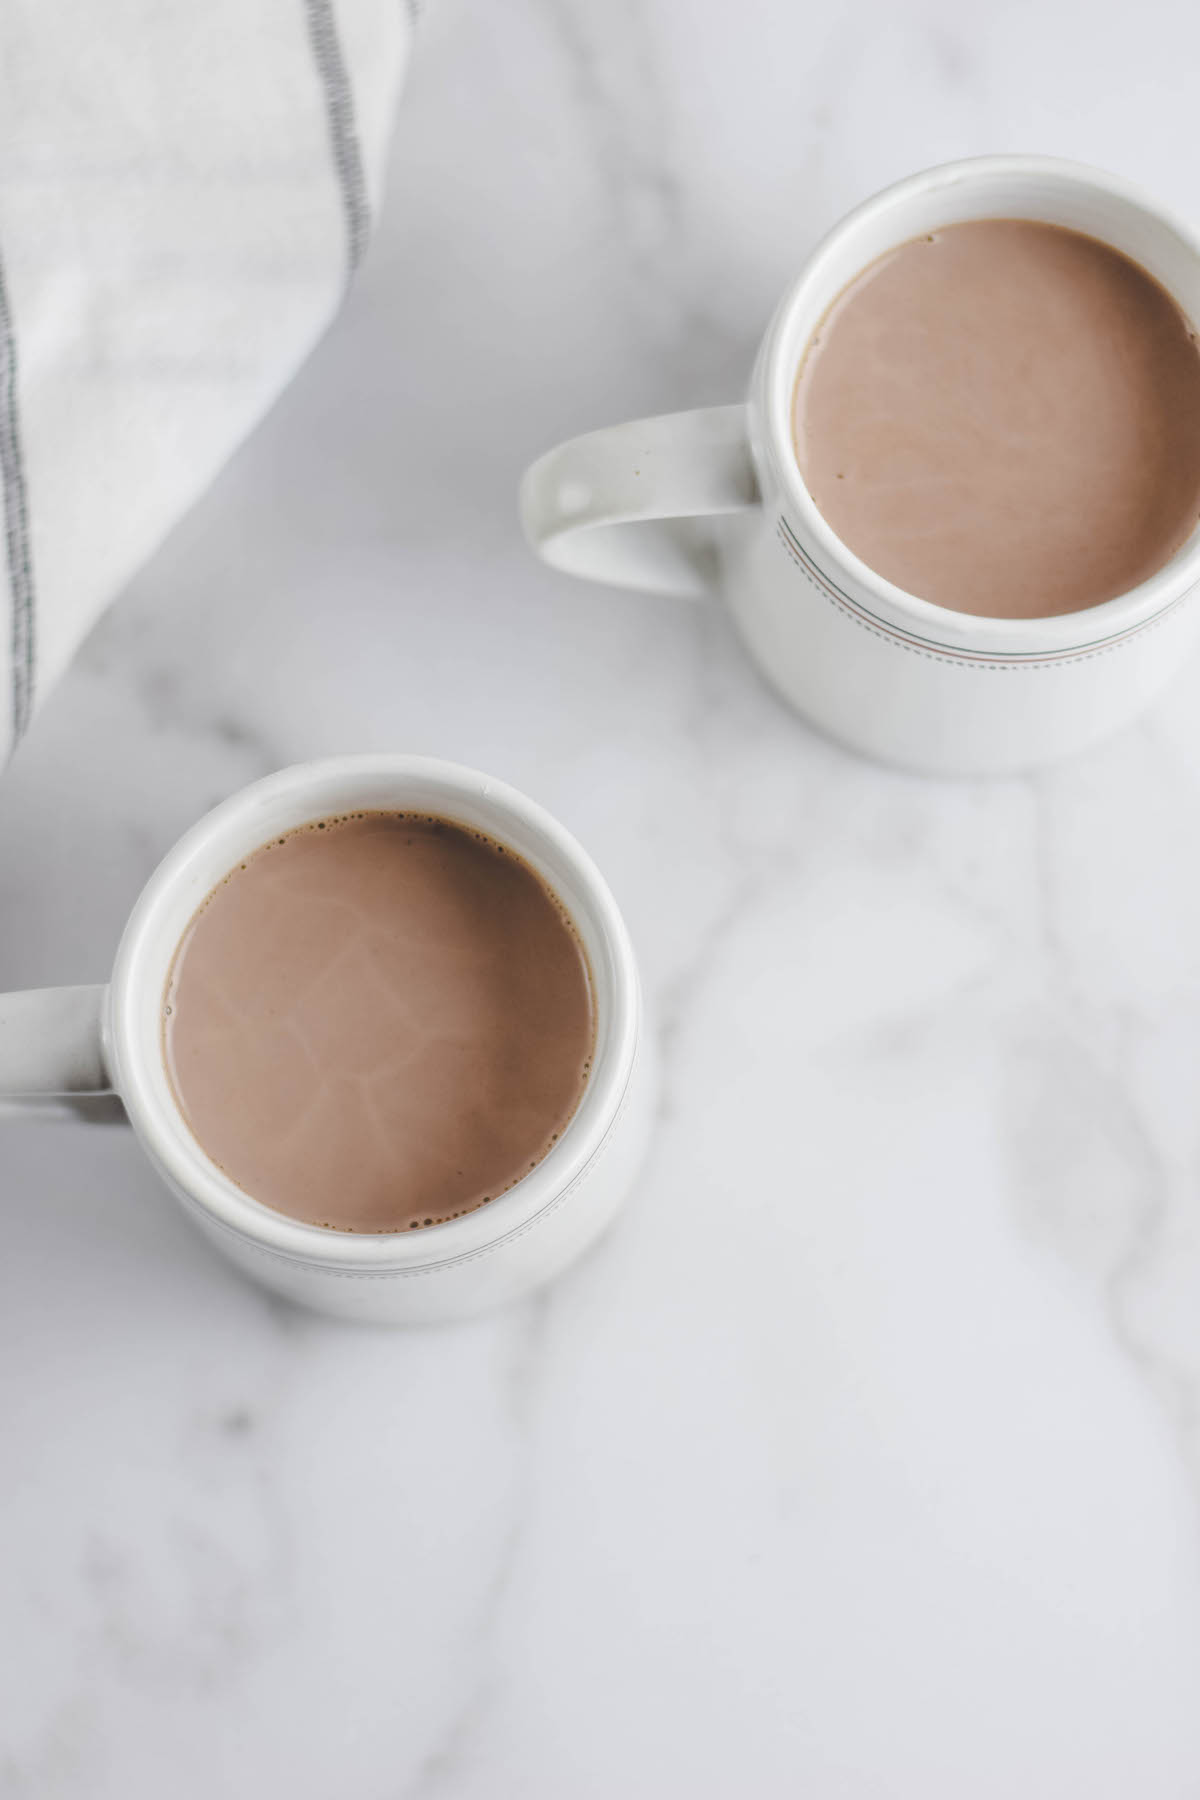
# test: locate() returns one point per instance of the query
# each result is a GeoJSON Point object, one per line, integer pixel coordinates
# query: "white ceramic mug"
{"type": "Point", "coordinates": [713, 501]}
{"type": "Point", "coordinates": [75, 1042]}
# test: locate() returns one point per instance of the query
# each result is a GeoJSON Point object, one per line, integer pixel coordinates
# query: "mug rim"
{"type": "Point", "coordinates": [1137, 605]}
{"type": "Point", "coordinates": [141, 969]}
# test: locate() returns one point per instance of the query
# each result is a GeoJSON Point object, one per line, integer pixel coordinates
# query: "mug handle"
{"type": "Point", "coordinates": [52, 1054]}
{"type": "Point", "coordinates": [625, 505]}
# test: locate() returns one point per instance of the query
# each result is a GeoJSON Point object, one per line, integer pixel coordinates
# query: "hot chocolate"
{"type": "Point", "coordinates": [379, 1022]}
{"type": "Point", "coordinates": [1004, 418]}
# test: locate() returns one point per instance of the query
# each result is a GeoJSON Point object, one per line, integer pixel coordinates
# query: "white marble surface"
{"type": "Point", "coordinates": [863, 1459]}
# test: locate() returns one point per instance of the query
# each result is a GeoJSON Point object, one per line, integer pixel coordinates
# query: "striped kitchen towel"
{"type": "Point", "coordinates": [185, 188]}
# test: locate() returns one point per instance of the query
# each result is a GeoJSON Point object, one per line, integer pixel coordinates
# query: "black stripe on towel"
{"type": "Point", "coordinates": [343, 133]}
{"type": "Point", "coordinates": [16, 526]}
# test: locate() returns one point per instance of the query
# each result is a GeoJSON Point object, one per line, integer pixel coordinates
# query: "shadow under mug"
{"type": "Point", "coordinates": [77, 1044]}
{"type": "Point", "coordinates": [713, 501]}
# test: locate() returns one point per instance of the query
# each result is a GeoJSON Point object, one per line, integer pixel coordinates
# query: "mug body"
{"type": "Point", "coordinates": [490, 1256]}
{"type": "Point", "coordinates": [885, 672]}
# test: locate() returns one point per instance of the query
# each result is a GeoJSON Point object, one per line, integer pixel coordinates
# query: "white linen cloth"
{"type": "Point", "coordinates": [185, 188]}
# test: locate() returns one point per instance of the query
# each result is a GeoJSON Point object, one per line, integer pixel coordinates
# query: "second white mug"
{"type": "Point", "coordinates": [81, 1044]}
{"type": "Point", "coordinates": [713, 501]}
